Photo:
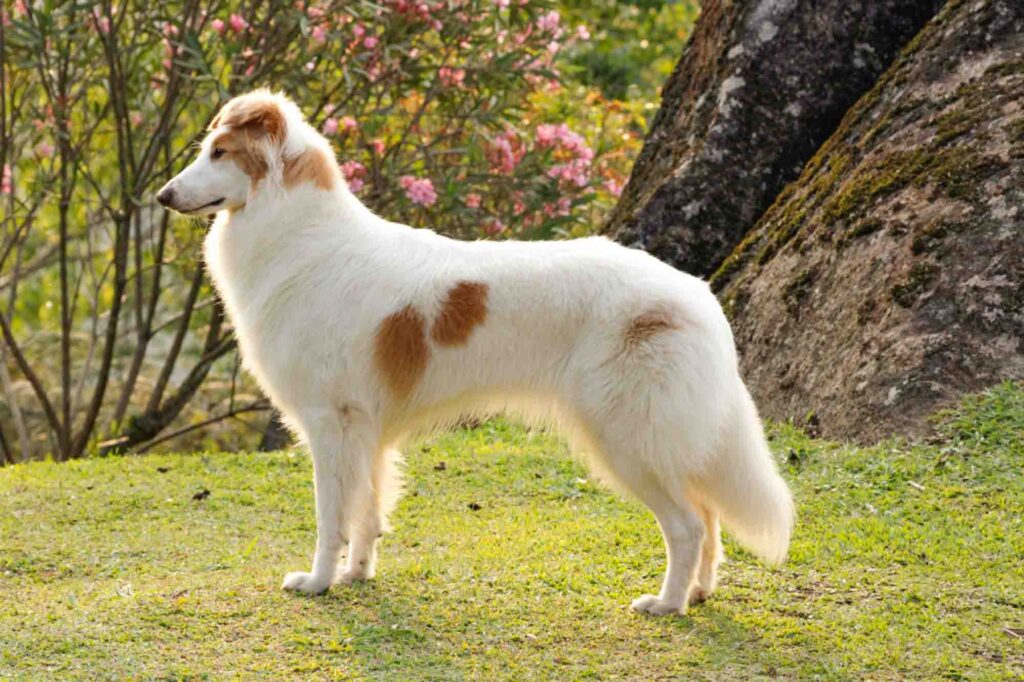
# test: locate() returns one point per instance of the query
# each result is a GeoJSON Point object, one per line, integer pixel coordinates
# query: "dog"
{"type": "Point", "coordinates": [364, 333]}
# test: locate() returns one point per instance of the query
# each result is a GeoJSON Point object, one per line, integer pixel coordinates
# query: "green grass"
{"type": "Point", "coordinates": [906, 564]}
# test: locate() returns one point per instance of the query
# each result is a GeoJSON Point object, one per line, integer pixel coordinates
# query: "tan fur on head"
{"type": "Point", "coordinates": [257, 111]}
{"type": "Point", "coordinates": [313, 165]}
{"type": "Point", "coordinates": [241, 147]}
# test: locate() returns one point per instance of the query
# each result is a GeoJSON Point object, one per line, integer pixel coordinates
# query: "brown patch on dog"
{"type": "Point", "coordinates": [464, 308]}
{"type": "Point", "coordinates": [241, 147]}
{"type": "Point", "coordinates": [644, 326]}
{"type": "Point", "coordinates": [313, 165]}
{"type": "Point", "coordinates": [258, 112]}
{"type": "Point", "coordinates": [400, 350]}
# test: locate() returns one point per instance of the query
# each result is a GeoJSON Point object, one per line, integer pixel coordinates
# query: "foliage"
{"type": "Point", "coordinates": [451, 114]}
{"type": "Point", "coordinates": [508, 562]}
{"type": "Point", "coordinates": [631, 47]}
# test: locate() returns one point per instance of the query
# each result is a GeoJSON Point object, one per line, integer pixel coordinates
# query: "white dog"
{"type": "Point", "coordinates": [364, 332]}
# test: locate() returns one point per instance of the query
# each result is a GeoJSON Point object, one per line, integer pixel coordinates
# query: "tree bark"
{"type": "Point", "coordinates": [760, 86]}
{"type": "Point", "coordinates": [889, 279]}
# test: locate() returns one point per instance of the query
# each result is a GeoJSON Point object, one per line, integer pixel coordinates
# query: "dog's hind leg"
{"type": "Point", "coordinates": [683, 532]}
{"type": "Point", "coordinates": [710, 557]}
{"type": "Point", "coordinates": [681, 526]}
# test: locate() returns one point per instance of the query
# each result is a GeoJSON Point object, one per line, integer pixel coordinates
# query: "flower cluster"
{"type": "Point", "coordinates": [419, 190]}
{"type": "Point", "coordinates": [355, 174]}
{"type": "Point", "coordinates": [417, 95]}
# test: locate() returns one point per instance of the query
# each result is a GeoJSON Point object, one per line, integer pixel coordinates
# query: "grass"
{"type": "Point", "coordinates": [508, 562]}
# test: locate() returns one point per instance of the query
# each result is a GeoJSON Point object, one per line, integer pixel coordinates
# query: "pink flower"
{"type": "Point", "coordinates": [136, 118]}
{"type": "Point", "coordinates": [473, 200]}
{"type": "Point", "coordinates": [218, 25]}
{"type": "Point", "coordinates": [170, 30]}
{"type": "Point", "coordinates": [547, 135]}
{"type": "Point", "coordinates": [330, 126]}
{"type": "Point", "coordinates": [419, 190]}
{"type": "Point", "coordinates": [494, 226]}
{"type": "Point", "coordinates": [451, 78]}
{"type": "Point", "coordinates": [358, 31]}
{"type": "Point", "coordinates": [102, 22]}
{"type": "Point", "coordinates": [6, 185]}
{"type": "Point", "coordinates": [377, 147]}
{"type": "Point", "coordinates": [348, 123]}
{"type": "Point", "coordinates": [319, 34]}
{"type": "Point", "coordinates": [237, 23]}
{"type": "Point", "coordinates": [370, 42]}
{"type": "Point", "coordinates": [550, 135]}
{"type": "Point", "coordinates": [354, 173]}
{"type": "Point", "coordinates": [582, 32]}
{"type": "Point", "coordinates": [613, 188]}
{"type": "Point", "coordinates": [502, 4]}
{"type": "Point", "coordinates": [506, 152]}
{"type": "Point", "coordinates": [576, 172]}
{"type": "Point", "coordinates": [549, 23]}
{"type": "Point", "coordinates": [44, 149]}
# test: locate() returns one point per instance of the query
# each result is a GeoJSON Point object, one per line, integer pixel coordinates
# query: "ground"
{"type": "Point", "coordinates": [509, 562]}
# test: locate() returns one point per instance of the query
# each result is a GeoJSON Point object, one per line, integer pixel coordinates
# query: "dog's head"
{"type": "Point", "coordinates": [256, 141]}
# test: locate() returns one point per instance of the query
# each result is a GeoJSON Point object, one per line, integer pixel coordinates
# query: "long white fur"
{"type": "Point", "coordinates": [308, 275]}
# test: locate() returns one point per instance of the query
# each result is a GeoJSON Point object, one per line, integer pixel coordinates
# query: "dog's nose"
{"type": "Point", "coordinates": [165, 196]}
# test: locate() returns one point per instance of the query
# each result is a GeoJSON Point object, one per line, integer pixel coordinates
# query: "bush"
{"type": "Point", "coordinates": [445, 114]}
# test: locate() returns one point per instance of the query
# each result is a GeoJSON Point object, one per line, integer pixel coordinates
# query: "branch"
{"type": "Point", "coordinates": [258, 406]}
{"type": "Point", "coordinates": [37, 386]}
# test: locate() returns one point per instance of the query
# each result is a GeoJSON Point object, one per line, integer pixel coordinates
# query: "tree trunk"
{"type": "Point", "coordinates": [889, 278]}
{"type": "Point", "coordinates": [760, 86]}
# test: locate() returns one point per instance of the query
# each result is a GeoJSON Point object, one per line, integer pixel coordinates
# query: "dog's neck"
{"type": "Point", "coordinates": [273, 217]}
{"type": "Point", "coordinates": [280, 231]}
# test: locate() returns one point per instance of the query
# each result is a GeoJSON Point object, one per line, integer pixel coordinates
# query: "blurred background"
{"type": "Point", "coordinates": [502, 119]}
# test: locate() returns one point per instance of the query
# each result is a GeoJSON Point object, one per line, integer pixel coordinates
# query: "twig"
{"type": "Point", "coordinates": [259, 406]}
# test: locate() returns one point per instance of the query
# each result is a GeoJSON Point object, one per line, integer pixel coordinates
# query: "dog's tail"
{"type": "Point", "coordinates": [744, 486]}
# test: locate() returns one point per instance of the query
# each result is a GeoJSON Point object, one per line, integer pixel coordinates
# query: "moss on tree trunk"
{"type": "Point", "coordinates": [761, 84]}
{"type": "Point", "coordinates": [889, 278]}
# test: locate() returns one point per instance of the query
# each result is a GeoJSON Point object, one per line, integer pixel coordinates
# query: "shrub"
{"type": "Point", "coordinates": [447, 114]}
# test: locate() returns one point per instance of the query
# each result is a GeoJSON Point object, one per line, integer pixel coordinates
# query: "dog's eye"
{"type": "Point", "coordinates": [218, 152]}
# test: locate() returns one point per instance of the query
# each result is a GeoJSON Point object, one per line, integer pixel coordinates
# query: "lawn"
{"type": "Point", "coordinates": [509, 562]}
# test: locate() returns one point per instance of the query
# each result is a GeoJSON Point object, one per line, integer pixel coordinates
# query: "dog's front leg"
{"type": "Point", "coordinates": [325, 434]}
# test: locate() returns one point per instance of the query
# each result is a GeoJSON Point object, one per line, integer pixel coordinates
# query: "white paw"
{"type": "Point", "coordinates": [351, 575]}
{"type": "Point", "coordinates": [656, 606]}
{"type": "Point", "coordinates": [698, 595]}
{"type": "Point", "coordinates": [305, 582]}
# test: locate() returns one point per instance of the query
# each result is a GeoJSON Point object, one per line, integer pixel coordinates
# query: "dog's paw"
{"type": "Point", "coordinates": [698, 595]}
{"type": "Point", "coordinates": [351, 575]}
{"type": "Point", "coordinates": [307, 583]}
{"type": "Point", "coordinates": [655, 606]}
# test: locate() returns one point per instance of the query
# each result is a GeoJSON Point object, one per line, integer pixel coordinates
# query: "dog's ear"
{"type": "Point", "coordinates": [254, 113]}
